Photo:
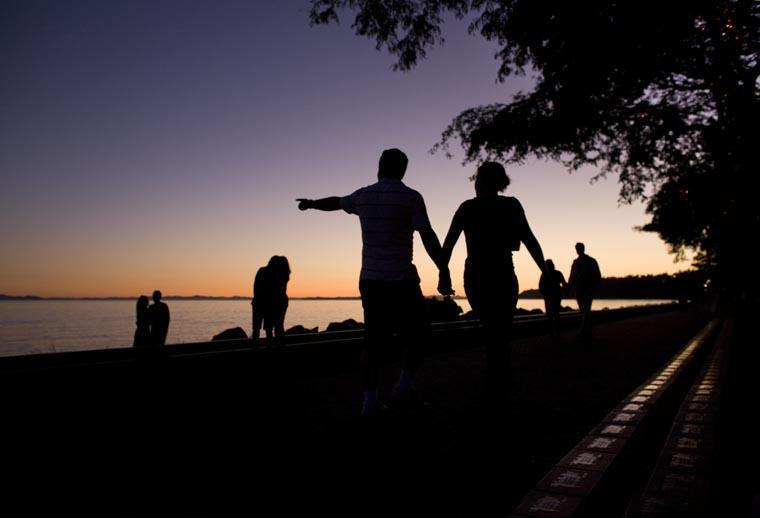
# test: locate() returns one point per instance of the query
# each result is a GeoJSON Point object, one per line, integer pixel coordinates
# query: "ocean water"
{"type": "Point", "coordinates": [40, 326]}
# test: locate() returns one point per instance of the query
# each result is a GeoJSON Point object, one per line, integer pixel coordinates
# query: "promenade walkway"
{"type": "Point", "coordinates": [256, 446]}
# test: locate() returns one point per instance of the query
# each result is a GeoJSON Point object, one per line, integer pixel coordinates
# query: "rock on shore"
{"type": "Point", "coordinates": [235, 333]}
{"type": "Point", "coordinates": [301, 330]}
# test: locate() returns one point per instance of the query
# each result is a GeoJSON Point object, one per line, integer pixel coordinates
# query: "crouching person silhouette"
{"type": "Point", "coordinates": [270, 300]}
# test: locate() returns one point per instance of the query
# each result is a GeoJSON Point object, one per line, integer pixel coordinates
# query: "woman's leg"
{"type": "Point", "coordinates": [256, 318]}
{"type": "Point", "coordinates": [279, 328]}
{"type": "Point", "coordinates": [494, 298]}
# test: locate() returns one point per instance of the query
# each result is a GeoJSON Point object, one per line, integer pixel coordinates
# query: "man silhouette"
{"type": "Point", "coordinates": [584, 277]}
{"type": "Point", "coordinates": [389, 213]}
{"type": "Point", "coordinates": [158, 315]}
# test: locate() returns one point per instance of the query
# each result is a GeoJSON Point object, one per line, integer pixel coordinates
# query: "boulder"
{"type": "Point", "coordinates": [236, 333]}
{"type": "Point", "coordinates": [301, 330]}
{"type": "Point", "coordinates": [346, 325]}
{"type": "Point", "coordinates": [442, 310]}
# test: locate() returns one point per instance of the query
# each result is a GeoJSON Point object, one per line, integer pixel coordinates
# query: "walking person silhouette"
{"type": "Point", "coordinates": [493, 226]}
{"type": "Point", "coordinates": [389, 213]}
{"type": "Point", "coordinates": [584, 278]}
{"type": "Point", "coordinates": [550, 285]}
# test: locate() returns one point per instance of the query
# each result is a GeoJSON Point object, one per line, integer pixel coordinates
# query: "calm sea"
{"type": "Point", "coordinates": [28, 327]}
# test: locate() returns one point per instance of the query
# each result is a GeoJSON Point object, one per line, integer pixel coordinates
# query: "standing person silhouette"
{"type": "Point", "coordinates": [550, 285]}
{"type": "Point", "coordinates": [493, 227]}
{"type": "Point", "coordinates": [142, 333]}
{"type": "Point", "coordinates": [584, 277]}
{"type": "Point", "coordinates": [389, 213]}
{"type": "Point", "coordinates": [270, 299]}
{"type": "Point", "coordinates": [158, 315]}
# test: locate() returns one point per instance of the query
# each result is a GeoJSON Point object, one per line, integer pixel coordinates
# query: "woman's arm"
{"type": "Point", "coordinates": [529, 240]}
{"type": "Point", "coordinates": [444, 277]}
{"type": "Point", "coordinates": [451, 239]}
{"type": "Point", "coordinates": [531, 243]}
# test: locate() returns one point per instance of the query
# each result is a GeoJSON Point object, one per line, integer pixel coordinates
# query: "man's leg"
{"type": "Point", "coordinates": [374, 305]}
{"type": "Point", "coordinates": [269, 328]}
{"type": "Point", "coordinates": [556, 307]}
{"type": "Point", "coordinates": [584, 305]}
{"type": "Point", "coordinates": [256, 321]}
{"type": "Point", "coordinates": [415, 334]}
{"type": "Point", "coordinates": [278, 325]}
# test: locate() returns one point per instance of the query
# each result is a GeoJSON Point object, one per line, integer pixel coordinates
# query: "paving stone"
{"type": "Point", "coordinates": [587, 459]}
{"type": "Point", "coordinates": [614, 430]}
{"type": "Point", "coordinates": [569, 481]}
{"type": "Point", "coordinates": [543, 504]}
{"type": "Point", "coordinates": [603, 443]}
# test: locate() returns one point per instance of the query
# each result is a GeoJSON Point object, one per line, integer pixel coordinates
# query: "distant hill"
{"type": "Point", "coordinates": [680, 286]}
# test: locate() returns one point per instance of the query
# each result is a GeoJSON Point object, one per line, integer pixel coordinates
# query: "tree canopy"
{"type": "Point", "coordinates": [663, 94]}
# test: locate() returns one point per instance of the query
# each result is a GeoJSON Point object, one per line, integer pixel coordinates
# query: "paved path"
{"type": "Point", "coordinates": [451, 460]}
{"type": "Point", "coordinates": [299, 449]}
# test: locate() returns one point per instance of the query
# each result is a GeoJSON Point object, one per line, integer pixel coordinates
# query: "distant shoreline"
{"type": "Point", "coordinates": [682, 285]}
{"type": "Point", "coordinates": [525, 295]}
{"type": "Point", "coordinates": [165, 297]}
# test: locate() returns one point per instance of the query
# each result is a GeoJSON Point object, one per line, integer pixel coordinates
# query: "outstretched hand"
{"type": "Point", "coordinates": [304, 203]}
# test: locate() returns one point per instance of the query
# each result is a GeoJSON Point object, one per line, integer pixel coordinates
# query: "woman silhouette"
{"type": "Point", "coordinates": [550, 285]}
{"type": "Point", "coordinates": [493, 227]}
{"type": "Point", "coordinates": [142, 333]}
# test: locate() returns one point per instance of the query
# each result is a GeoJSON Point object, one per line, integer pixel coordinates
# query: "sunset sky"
{"type": "Point", "coordinates": [161, 144]}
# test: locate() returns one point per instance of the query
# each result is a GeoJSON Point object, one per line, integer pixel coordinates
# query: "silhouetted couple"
{"type": "Point", "coordinates": [584, 278]}
{"type": "Point", "coordinates": [270, 299]}
{"type": "Point", "coordinates": [390, 212]}
{"type": "Point", "coordinates": [152, 321]}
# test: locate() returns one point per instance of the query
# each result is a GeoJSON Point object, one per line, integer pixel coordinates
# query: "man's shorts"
{"type": "Point", "coordinates": [393, 307]}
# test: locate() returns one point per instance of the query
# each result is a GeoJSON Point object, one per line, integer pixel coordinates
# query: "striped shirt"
{"type": "Point", "coordinates": [389, 212]}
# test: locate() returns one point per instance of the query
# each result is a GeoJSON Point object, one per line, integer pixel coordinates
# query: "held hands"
{"type": "Point", "coordinates": [304, 203]}
{"type": "Point", "coordinates": [444, 283]}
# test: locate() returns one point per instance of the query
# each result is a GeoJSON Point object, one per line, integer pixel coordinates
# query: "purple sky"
{"type": "Point", "coordinates": [160, 144]}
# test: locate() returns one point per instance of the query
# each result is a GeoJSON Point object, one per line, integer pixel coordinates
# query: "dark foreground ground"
{"type": "Point", "coordinates": [249, 445]}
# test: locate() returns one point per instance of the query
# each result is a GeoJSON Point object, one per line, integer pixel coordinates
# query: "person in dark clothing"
{"type": "Point", "coordinates": [493, 226]}
{"type": "Point", "coordinates": [270, 299]}
{"type": "Point", "coordinates": [142, 333]}
{"type": "Point", "coordinates": [550, 285]}
{"type": "Point", "coordinates": [158, 315]}
{"type": "Point", "coordinates": [584, 277]}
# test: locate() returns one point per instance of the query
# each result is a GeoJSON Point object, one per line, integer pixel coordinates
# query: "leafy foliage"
{"type": "Point", "coordinates": [663, 94]}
